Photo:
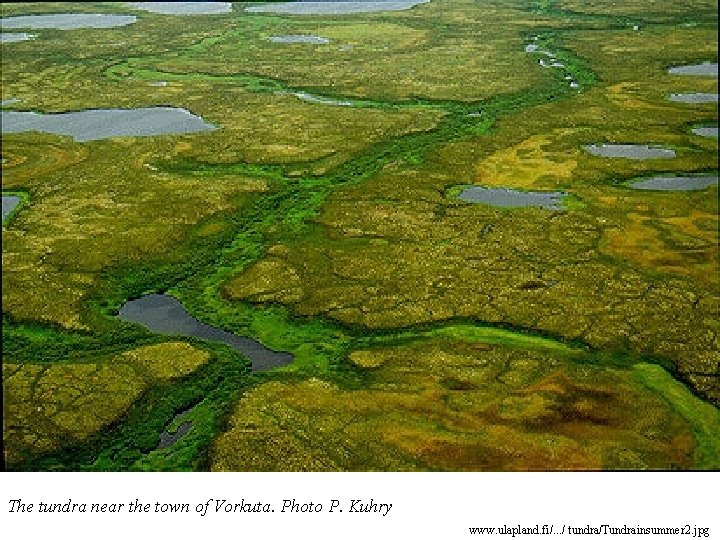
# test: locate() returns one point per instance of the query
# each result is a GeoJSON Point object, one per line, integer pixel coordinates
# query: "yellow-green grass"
{"type": "Point", "coordinates": [703, 417]}
{"type": "Point", "coordinates": [48, 406]}
{"type": "Point", "coordinates": [465, 51]}
{"type": "Point", "coordinates": [453, 405]}
{"type": "Point", "coordinates": [387, 251]}
{"type": "Point", "coordinates": [396, 251]}
{"type": "Point", "coordinates": [10, 9]}
{"type": "Point", "coordinates": [697, 10]}
{"type": "Point", "coordinates": [94, 207]}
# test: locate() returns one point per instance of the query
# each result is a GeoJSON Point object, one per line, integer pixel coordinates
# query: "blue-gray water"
{"type": "Point", "coordinates": [333, 8]}
{"type": "Point", "coordinates": [512, 198]}
{"type": "Point", "coordinates": [322, 100]}
{"type": "Point", "coordinates": [67, 21]}
{"type": "Point", "coordinates": [676, 183]}
{"type": "Point", "coordinates": [184, 8]}
{"type": "Point", "coordinates": [706, 69]}
{"type": "Point", "coordinates": [9, 202]}
{"type": "Point", "coordinates": [169, 438]}
{"type": "Point", "coordinates": [630, 151]}
{"type": "Point", "coordinates": [166, 315]}
{"type": "Point", "coordinates": [14, 37]}
{"type": "Point", "coordinates": [105, 123]}
{"type": "Point", "coordinates": [706, 131]}
{"type": "Point", "coordinates": [299, 38]}
{"type": "Point", "coordinates": [695, 97]}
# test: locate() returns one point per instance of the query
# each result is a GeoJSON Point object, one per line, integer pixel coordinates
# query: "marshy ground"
{"type": "Point", "coordinates": [321, 218]}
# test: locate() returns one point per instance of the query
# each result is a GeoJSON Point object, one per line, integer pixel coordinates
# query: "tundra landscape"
{"type": "Point", "coordinates": [412, 235]}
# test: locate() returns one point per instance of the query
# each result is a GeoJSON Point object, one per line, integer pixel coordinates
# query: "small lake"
{"type": "Point", "coordinates": [313, 40]}
{"type": "Point", "coordinates": [166, 315]}
{"type": "Point", "coordinates": [706, 69]}
{"type": "Point", "coordinates": [706, 131]}
{"type": "Point", "coordinates": [14, 37]}
{"type": "Point", "coordinates": [98, 124]}
{"type": "Point", "coordinates": [333, 8]}
{"type": "Point", "coordinates": [169, 438]}
{"type": "Point", "coordinates": [6, 102]}
{"type": "Point", "coordinates": [512, 198]}
{"type": "Point", "coordinates": [630, 151]}
{"type": "Point", "coordinates": [322, 100]}
{"type": "Point", "coordinates": [676, 183]}
{"type": "Point", "coordinates": [184, 8]}
{"type": "Point", "coordinates": [696, 97]}
{"type": "Point", "coordinates": [67, 21]}
{"type": "Point", "coordinates": [9, 202]}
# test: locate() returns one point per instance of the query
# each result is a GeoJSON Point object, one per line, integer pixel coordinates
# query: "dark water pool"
{"type": "Point", "coordinates": [166, 315]}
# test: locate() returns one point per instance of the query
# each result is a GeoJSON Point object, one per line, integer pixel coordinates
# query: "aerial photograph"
{"type": "Point", "coordinates": [389, 235]}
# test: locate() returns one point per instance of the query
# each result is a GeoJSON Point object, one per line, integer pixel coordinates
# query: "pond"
{"type": "Point", "coordinates": [9, 202]}
{"type": "Point", "coordinates": [184, 8]}
{"type": "Point", "coordinates": [706, 131]}
{"type": "Point", "coordinates": [322, 100]}
{"type": "Point", "coordinates": [512, 198]}
{"type": "Point", "coordinates": [313, 40]}
{"type": "Point", "coordinates": [706, 69]}
{"type": "Point", "coordinates": [676, 183]}
{"type": "Point", "coordinates": [333, 8]}
{"type": "Point", "coordinates": [164, 314]}
{"type": "Point", "coordinates": [630, 151]}
{"type": "Point", "coordinates": [67, 21]}
{"type": "Point", "coordinates": [169, 438]}
{"type": "Point", "coordinates": [14, 37]}
{"type": "Point", "coordinates": [98, 124]}
{"type": "Point", "coordinates": [696, 97]}
{"type": "Point", "coordinates": [6, 102]}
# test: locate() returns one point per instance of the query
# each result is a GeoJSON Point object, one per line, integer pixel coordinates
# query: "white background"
{"type": "Point", "coordinates": [424, 505]}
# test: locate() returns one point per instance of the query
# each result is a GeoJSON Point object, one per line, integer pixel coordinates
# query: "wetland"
{"type": "Point", "coordinates": [248, 248]}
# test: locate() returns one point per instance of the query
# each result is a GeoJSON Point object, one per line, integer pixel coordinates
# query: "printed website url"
{"type": "Point", "coordinates": [693, 531]}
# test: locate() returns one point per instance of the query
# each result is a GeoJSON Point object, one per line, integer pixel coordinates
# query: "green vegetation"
{"type": "Point", "coordinates": [47, 405]}
{"type": "Point", "coordinates": [448, 404]}
{"type": "Point", "coordinates": [428, 334]}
